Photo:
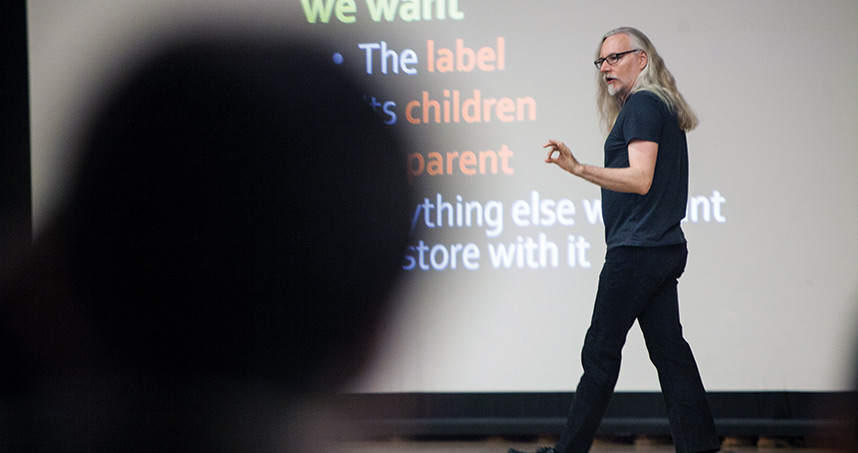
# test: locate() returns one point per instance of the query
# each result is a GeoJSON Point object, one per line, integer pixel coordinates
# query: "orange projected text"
{"type": "Point", "coordinates": [464, 59]}
{"type": "Point", "coordinates": [454, 108]}
{"type": "Point", "coordinates": [466, 163]}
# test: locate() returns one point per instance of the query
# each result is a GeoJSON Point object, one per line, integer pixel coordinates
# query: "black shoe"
{"type": "Point", "coordinates": [538, 450]}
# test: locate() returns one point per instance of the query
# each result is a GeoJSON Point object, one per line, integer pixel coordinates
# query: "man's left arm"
{"type": "Point", "coordinates": [636, 178]}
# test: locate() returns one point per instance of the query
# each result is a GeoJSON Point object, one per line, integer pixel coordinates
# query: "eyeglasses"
{"type": "Point", "coordinates": [613, 58]}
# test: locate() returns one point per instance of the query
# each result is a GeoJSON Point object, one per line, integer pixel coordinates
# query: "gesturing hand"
{"type": "Point", "coordinates": [559, 153]}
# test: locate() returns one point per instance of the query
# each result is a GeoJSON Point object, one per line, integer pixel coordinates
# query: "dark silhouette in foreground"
{"type": "Point", "coordinates": [226, 252]}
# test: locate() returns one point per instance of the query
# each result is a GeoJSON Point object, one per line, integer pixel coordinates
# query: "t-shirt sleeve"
{"type": "Point", "coordinates": [645, 119]}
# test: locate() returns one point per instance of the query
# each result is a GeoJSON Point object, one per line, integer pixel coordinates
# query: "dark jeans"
{"type": "Point", "coordinates": [640, 283]}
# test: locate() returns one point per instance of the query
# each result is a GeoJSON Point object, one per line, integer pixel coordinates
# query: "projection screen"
{"type": "Point", "coordinates": [506, 250]}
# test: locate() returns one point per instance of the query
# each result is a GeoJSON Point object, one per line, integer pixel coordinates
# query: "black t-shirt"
{"type": "Point", "coordinates": [653, 219]}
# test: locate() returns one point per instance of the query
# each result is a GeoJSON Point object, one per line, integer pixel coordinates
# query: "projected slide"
{"type": "Point", "coordinates": [504, 260]}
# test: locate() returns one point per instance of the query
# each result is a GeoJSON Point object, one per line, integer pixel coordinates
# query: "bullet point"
{"type": "Point", "coordinates": [338, 58]}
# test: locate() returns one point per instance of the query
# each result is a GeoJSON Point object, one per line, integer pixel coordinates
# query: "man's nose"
{"type": "Point", "coordinates": [605, 67]}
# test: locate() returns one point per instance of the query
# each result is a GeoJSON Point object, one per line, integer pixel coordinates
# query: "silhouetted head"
{"type": "Point", "coordinates": [239, 212]}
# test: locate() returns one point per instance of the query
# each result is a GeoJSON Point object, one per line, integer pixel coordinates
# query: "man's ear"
{"type": "Point", "coordinates": [643, 59]}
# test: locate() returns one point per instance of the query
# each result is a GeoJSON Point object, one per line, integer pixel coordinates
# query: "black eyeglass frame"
{"type": "Point", "coordinates": [614, 56]}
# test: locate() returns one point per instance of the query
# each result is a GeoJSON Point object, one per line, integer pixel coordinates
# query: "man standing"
{"type": "Point", "coordinates": [644, 193]}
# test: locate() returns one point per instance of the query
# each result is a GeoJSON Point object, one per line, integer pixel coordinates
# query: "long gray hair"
{"type": "Point", "coordinates": [654, 78]}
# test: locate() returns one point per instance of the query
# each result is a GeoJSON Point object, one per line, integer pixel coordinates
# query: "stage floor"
{"type": "Point", "coordinates": [501, 446]}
